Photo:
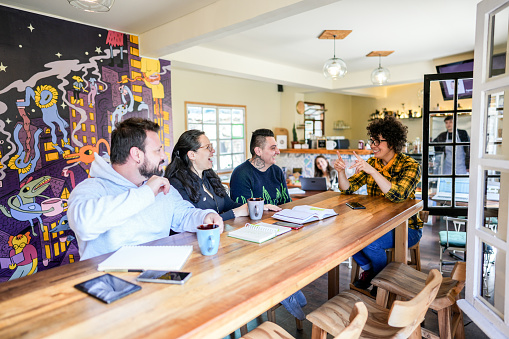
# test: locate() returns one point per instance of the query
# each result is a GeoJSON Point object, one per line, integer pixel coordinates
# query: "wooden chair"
{"type": "Point", "coordinates": [405, 282]}
{"type": "Point", "coordinates": [269, 330]}
{"type": "Point", "coordinates": [271, 317]}
{"type": "Point", "coordinates": [401, 321]}
{"type": "Point", "coordinates": [414, 255]}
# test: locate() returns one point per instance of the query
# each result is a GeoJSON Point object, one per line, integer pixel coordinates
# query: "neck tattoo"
{"type": "Point", "coordinates": [257, 162]}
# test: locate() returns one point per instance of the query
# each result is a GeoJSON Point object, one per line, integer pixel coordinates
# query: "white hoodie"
{"type": "Point", "coordinates": [107, 211]}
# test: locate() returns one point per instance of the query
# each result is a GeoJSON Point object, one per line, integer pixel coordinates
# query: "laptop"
{"type": "Point", "coordinates": [313, 184]}
{"type": "Point", "coordinates": [444, 189]}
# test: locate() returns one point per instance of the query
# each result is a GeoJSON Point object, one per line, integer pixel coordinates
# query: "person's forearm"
{"type": "Point", "coordinates": [343, 182]}
{"type": "Point", "coordinates": [384, 184]}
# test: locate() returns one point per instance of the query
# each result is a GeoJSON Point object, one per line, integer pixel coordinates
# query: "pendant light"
{"type": "Point", "coordinates": [380, 75]}
{"type": "Point", "coordinates": [92, 5]}
{"type": "Point", "coordinates": [334, 68]}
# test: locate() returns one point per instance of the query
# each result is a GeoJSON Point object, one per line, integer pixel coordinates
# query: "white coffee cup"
{"type": "Point", "coordinates": [330, 144]}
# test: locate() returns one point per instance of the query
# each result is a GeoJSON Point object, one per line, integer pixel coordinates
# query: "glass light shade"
{"type": "Point", "coordinates": [380, 76]}
{"type": "Point", "coordinates": [92, 5]}
{"type": "Point", "coordinates": [334, 68]}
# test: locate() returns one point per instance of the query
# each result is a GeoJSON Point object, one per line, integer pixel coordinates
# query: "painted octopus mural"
{"type": "Point", "coordinates": [61, 94]}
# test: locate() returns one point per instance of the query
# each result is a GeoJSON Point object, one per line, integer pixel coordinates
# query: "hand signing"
{"type": "Point", "coordinates": [362, 165]}
{"type": "Point", "coordinates": [339, 164]}
{"type": "Point", "coordinates": [158, 184]}
{"type": "Point", "coordinates": [214, 218]}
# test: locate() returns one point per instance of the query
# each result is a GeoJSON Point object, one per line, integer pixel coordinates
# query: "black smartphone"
{"type": "Point", "coordinates": [107, 288]}
{"type": "Point", "coordinates": [164, 277]}
{"type": "Point", "coordinates": [355, 205]}
{"type": "Point", "coordinates": [289, 224]}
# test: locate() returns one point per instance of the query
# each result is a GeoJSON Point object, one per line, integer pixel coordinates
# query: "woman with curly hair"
{"type": "Point", "coordinates": [191, 173]}
{"type": "Point", "coordinates": [389, 173]}
{"type": "Point", "coordinates": [324, 169]}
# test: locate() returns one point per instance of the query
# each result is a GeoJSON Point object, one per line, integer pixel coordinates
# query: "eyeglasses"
{"type": "Point", "coordinates": [209, 147]}
{"type": "Point", "coordinates": [375, 142]}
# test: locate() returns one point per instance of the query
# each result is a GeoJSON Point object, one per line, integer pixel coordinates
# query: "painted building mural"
{"type": "Point", "coordinates": [63, 86]}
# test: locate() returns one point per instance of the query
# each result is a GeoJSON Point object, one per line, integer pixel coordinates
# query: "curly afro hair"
{"type": "Point", "coordinates": [391, 129]}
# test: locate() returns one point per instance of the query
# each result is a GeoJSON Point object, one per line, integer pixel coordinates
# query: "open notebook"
{"type": "Point", "coordinates": [303, 214]}
{"type": "Point", "coordinates": [259, 232]}
{"type": "Point", "coordinates": [162, 258]}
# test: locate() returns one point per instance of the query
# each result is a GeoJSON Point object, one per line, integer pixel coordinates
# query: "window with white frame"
{"type": "Point", "coordinates": [225, 126]}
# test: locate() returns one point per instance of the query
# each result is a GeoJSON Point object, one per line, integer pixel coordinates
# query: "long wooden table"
{"type": "Point", "coordinates": [226, 290]}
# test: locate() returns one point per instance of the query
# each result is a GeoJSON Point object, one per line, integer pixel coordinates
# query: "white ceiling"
{"type": "Point", "coordinates": [278, 43]}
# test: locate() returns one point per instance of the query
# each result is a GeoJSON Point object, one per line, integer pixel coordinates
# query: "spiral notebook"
{"type": "Point", "coordinates": [259, 232]}
{"type": "Point", "coordinates": [140, 258]}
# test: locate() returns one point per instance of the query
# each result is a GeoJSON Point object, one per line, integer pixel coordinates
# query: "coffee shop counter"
{"type": "Point", "coordinates": [303, 159]}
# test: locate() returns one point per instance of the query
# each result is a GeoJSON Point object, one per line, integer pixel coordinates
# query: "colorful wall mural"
{"type": "Point", "coordinates": [63, 86]}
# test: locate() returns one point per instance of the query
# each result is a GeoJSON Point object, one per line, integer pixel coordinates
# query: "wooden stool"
{"type": "Point", "coordinates": [401, 321]}
{"type": "Point", "coordinates": [405, 282]}
{"type": "Point", "coordinates": [415, 261]}
{"type": "Point", "coordinates": [269, 330]}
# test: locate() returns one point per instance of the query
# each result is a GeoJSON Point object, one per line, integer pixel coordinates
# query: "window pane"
{"type": "Point", "coordinates": [499, 23]}
{"type": "Point", "coordinates": [494, 186]}
{"type": "Point", "coordinates": [209, 115]}
{"type": "Point", "coordinates": [237, 116]}
{"type": "Point", "coordinates": [194, 115]}
{"type": "Point", "coordinates": [493, 278]}
{"type": "Point", "coordinates": [237, 131]}
{"type": "Point", "coordinates": [226, 147]}
{"type": "Point", "coordinates": [225, 116]}
{"type": "Point", "coordinates": [225, 131]}
{"type": "Point", "coordinates": [461, 191]}
{"type": "Point", "coordinates": [494, 123]}
{"type": "Point", "coordinates": [238, 159]}
{"type": "Point", "coordinates": [439, 91]}
{"type": "Point", "coordinates": [238, 146]}
{"type": "Point", "coordinates": [210, 131]}
{"type": "Point", "coordinates": [462, 159]}
{"type": "Point", "coordinates": [199, 127]}
{"type": "Point", "coordinates": [225, 162]}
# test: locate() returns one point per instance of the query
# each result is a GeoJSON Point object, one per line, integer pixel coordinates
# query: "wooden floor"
{"type": "Point", "coordinates": [316, 292]}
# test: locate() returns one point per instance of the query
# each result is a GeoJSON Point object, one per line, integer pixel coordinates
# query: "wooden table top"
{"type": "Point", "coordinates": [226, 290]}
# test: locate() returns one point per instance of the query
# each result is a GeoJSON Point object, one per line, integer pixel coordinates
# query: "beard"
{"type": "Point", "coordinates": [147, 171]}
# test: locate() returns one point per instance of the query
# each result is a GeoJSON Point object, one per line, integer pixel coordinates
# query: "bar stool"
{"type": "Point", "coordinates": [415, 262]}
{"type": "Point", "coordinates": [405, 282]}
{"type": "Point", "coordinates": [401, 321]}
{"type": "Point", "coordinates": [414, 254]}
{"type": "Point", "coordinates": [269, 330]}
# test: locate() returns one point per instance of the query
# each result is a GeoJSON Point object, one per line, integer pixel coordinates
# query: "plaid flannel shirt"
{"type": "Point", "coordinates": [404, 174]}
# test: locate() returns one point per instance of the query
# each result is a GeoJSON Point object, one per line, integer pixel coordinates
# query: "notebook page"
{"type": "Point", "coordinates": [163, 258]}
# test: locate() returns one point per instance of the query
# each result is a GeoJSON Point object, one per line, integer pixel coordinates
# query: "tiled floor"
{"type": "Point", "coordinates": [316, 292]}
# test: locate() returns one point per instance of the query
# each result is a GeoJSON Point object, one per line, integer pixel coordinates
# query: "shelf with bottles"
{"type": "Point", "coordinates": [398, 114]}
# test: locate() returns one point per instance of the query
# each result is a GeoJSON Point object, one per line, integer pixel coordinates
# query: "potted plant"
{"type": "Point", "coordinates": [295, 138]}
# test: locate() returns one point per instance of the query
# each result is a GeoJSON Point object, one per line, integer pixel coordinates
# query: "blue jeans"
{"type": "Point", "coordinates": [294, 304]}
{"type": "Point", "coordinates": [373, 256]}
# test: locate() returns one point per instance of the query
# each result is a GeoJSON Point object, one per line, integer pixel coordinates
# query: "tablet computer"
{"type": "Point", "coordinates": [107, 288]}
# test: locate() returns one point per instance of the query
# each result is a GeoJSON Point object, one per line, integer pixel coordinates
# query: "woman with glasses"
{"type": "Point", "coordinates": [324, 169]}
{"type": "Point", "coordinates": [191, 173]}
{"type": "Point", "coordinates": [389, 173]}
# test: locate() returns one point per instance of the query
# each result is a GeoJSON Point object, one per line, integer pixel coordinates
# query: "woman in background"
{"type": "Point", "coordinates": [191, 173]}
{"type": "Point", "coordinates": [324, 169]}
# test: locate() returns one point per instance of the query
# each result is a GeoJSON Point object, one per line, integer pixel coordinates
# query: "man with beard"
{"type": "Point", "coordinates": [129, 202]}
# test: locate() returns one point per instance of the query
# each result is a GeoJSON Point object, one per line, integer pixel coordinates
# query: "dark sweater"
{"type": "Point", "coordinates": [248, 182]}
{"type": "Point", "coordinates": [462, 136]}
{"type": "Point", "coordinates": [222, 205]}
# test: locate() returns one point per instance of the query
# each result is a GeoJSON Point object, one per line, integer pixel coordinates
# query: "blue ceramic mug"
{"type": "Point", "coordinates": [208, 238]}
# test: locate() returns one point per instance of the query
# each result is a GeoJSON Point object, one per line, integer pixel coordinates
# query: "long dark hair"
{"type": "Point", "coordinates": [180, 167]}
{"type": "Point", "coordinates": [318, 172]}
